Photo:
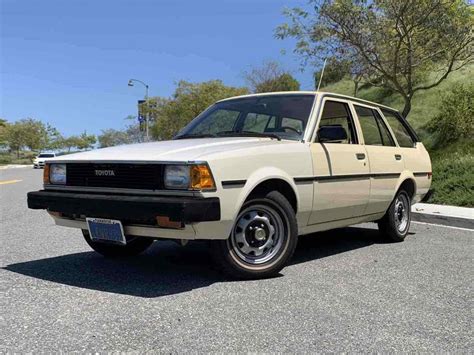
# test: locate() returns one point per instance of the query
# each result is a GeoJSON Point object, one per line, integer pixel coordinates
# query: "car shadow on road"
{"type": "Point", "coordinates": [168, 269]}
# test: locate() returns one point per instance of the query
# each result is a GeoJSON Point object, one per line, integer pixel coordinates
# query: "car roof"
{"type": "Point", "coordinates": [323, 93]}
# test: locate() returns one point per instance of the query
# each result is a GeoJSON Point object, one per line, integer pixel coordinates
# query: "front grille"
{"type": "Point", "coordinates": [127, 176]}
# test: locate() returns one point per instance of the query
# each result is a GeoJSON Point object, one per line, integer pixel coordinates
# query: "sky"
{"type": "Point", "coordinates": [68, 62]}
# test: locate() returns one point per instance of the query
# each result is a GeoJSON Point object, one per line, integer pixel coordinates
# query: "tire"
{"type": "Point", "coordinates": [134, 246]}
{"type": "Point", "coordinates": [262, 241]}
{"type": "Point", "coordinates": [394, 226]}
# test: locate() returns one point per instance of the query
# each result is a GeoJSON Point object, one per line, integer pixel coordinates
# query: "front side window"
{"type": "Point", "coordinates": [338, 114]}
{"type": "Point", "coordinates": [404, 138]}
{"type": "Point", "coordinates": [373, 128]}
{"type": "Point", "coordinates": [282, 116]}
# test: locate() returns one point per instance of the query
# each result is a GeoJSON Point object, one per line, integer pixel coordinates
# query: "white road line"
{"type": "Point", "coordinates": [4, 182]}
{"type": "Point", "coordinates": [442, 225]}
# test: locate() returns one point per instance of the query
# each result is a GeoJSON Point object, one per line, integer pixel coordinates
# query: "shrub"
{"type": "Point", "coordinates": [456, 117]}
{"type": "Point", "coordinates": [453, 174]}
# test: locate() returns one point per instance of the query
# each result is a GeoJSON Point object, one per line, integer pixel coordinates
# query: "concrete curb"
{"type": "Point", "coordinates": [15, 166]}
{"type": "Point", "coordinates": [461, 217]}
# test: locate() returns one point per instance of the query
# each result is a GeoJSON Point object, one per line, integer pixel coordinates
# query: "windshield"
{"type": "Point", "coordinates": [46, 156]}
{"type": "Point", "coordinates": [277, 116]}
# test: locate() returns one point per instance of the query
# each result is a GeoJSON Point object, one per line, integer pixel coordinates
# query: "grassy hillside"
{"type": "Point", "coordinates": [425, 103]}
{"type": "Point", "coordinates": [453, 165]}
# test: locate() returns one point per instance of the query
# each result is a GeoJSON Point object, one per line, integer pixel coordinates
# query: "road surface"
{"type": "Point", "coordinates": [345, 291]}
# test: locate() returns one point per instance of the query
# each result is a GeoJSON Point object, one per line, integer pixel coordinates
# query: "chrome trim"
{"type": "Point", "coordinates": [51, 187]}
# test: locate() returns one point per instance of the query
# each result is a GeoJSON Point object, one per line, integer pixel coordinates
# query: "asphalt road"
{"type": "Point", "coordinates": [344, 292]}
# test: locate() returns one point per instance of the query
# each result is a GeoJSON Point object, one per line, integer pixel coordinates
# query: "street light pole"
{"type": "Point", "coordinates": [130, 83]}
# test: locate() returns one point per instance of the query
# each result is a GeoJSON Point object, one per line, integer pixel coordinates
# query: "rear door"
{"type": "Point", "coordinates": [341, 170]}
{"type": "Point", "coordinates": [385, 158]}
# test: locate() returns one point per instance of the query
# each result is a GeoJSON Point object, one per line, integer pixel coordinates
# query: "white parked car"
{"type": "Point", "coordinates": [41, 159]}
{"type": "Point", "coordinates": [250, 173]}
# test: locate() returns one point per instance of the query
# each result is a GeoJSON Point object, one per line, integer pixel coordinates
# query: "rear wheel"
{"type": "Point", "coordinates": [262, 240]}
{"type": "Point", "coordinates": [134, 246]}
{"type": "Point", "coordinates": [395, 224]}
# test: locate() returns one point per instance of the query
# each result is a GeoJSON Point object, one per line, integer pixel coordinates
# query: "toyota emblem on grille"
{"type": "Point", "coordinates": [104, 173]}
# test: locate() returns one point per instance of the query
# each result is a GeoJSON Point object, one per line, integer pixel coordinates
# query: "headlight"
{"type": "Point", "coordinates": [57, 174]}
{"type": "Point", "coordinates": [189, 177]}
{"type": "Point", "coordinates": [177, 177]}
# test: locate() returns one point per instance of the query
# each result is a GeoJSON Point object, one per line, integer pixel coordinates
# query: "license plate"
{"type": "Point", "coordinates": [106, 230]}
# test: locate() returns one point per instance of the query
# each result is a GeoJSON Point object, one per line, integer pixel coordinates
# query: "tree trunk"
{"type": "Point", "coordinates": [407, 107]}
{"type": "Point", "coordinates": [356, 87]}
{"type": "Point", "coordinates": [18, 153]}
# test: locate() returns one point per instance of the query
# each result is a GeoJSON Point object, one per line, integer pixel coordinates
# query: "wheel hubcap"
{"type": "Point", "coordinates": [257, 235]}
{"type": "Point", "coordinates": [401, 213]}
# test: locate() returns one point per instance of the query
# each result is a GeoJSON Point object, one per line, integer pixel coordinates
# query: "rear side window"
{"type": "Point", "coordinates": [402, 134]}
{"type": "Point", "coordinates": [337, 113]}
{"type": "Point", "coordinates": [373, 127]}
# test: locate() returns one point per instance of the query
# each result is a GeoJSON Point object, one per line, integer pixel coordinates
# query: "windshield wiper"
{"type": "Point", "coordinates": [203, 135]}
{"type": "Point", "coordinates": [249, 134]}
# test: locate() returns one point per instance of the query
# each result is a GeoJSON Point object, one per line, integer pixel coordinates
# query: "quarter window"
{"type": "Point", "coordinates": [337, 113]}
{"type": "Point", "coordinates": [373, 127]}
{"type": "Point", "coordinates": [404, 138]}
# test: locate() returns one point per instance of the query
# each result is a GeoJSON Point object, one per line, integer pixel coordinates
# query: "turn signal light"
{"type": "Point", "coordinates": [46, 174]}
{"type": "Point", "coordinates": [201, 178]}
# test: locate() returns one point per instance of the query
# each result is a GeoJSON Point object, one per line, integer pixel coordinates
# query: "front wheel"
{"type": "Point", "coordinates": [395, 224]}
{"type": "Point", "coordinates": [262, 241]}
{"type": "Point", "coordinates": [134, 246]}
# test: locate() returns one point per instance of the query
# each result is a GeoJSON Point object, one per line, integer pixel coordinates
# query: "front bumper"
{"type": "Point", "coordinates": [128, 208]}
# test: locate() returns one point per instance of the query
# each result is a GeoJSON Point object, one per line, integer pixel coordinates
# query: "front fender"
{"type": "Point", "coordinates": [259, 176]}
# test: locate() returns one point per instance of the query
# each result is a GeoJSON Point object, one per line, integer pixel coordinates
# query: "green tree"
{"type": "Point", "coordinates": [189, 100]}
{"type": "Point", "coordinates": [270, 77]}
{"type": "Point", "coordinates": [111, 137]}
{"type": "Point", "coordinates": [3, 132]}
{"type": "Point", "coordinates": [284, 82]}
{"type": "Point", "coordinates": [15, 138]}
{"type": "Point", "coordinates": [86, 141]}
{"type": "Point", "coordinates": [35, 134]}
{"type": "Point", "coordinates": [53, 138]}
{"type": "Point", "coordinates": [69, 142]}
{"type": "Point", "coordinates": [27, 133]}
{"type": "Point", "coordinates": [396, 44]}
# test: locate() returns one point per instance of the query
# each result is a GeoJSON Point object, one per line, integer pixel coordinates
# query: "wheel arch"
{"type": "Point", "coordinates": [275, 184]}
{"type": "Point", "coordinates": [268, 179]}
{"type": "Point", "coordinates": [408, 183]}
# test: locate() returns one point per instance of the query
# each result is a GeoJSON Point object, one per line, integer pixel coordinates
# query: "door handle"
{"type": "Point", "coordinates": [398, 157]}
{"type": "Point", "coordinates": [360, 156]}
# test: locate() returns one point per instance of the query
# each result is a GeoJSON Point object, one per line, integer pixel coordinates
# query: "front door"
{"type": "Point", "coordinates": [340, 169]}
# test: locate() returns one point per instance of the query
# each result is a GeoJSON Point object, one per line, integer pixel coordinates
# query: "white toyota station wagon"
{"type": "Point", "coordinates": [250, 174]}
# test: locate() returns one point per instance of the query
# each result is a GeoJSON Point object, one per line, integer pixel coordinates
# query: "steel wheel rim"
{"type": "Point", "coordinates": [258, 234]}
{"type": "Point", "coordinates": [401, 213]}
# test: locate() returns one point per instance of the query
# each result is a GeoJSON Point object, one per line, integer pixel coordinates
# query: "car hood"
{"type": "Point", "coordinates": [173, 150]}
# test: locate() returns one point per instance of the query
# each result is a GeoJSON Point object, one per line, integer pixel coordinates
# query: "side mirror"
{"type": "Point", "coordinates": [332, 134]}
